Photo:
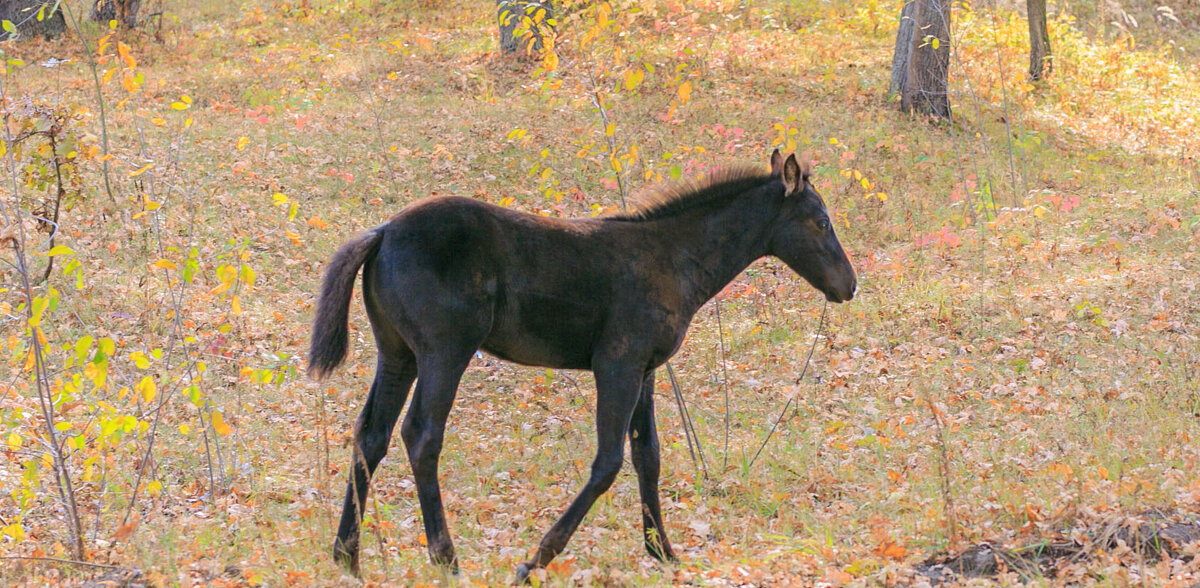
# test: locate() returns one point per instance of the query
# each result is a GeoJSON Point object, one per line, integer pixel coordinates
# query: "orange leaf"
{"type": "Point", "coordinates": [125, 531]}
{"type": "Point", "coordinates": [685, 92]}
{"type": "Point", "coordinates": [219, 424]}
{"type": "Point", "coordinates": [891, 550]}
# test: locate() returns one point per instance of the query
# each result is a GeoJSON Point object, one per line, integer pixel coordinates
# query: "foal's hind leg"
{"type": "Point", "coordinates": [394, 375]}
{"type": "Point", "coordinates": [643, 450]}
{"type": "Point", "coordinates": [617, 387]}
{"type": "Point", "coordinates": [423, 431]}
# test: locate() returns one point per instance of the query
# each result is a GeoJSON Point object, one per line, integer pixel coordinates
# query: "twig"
{"type": "Point", "coordinates": [58, 198]}
{"type": "Point", "coordinates": [61, 561]}
{"type": "Point", "coordinates": [62, 473]}
{"type": "Point", "coordinates": [944, 471]}
{"type": "Point", "coordinates": [610, 139]}
{"type": "Point", "coordinates": [689, 428]}
{"type": "Point", "coordinates": [87, 50]}
{"type": "Point", "coordinates": [1012, 168]}
{"type": "Point", "coordinates": [786, 406]}
{"type": "Point", "coordinates": [724, 378]}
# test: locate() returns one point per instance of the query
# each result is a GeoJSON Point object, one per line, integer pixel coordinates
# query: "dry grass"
{"type": "Point", "coordinates": [1047, 309]}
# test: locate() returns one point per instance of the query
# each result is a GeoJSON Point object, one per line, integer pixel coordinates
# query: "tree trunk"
{"type": "Point", "coordinates": [901, 52]}
{"type": "Point", "coordinates": [507, 18]}
{"type": "Point", "coordinates": [927, 87]}
{"type": "Point", "coordinates": [24, 15]}
{"type": "Point", "coordinates": [122, 11]}
{"type": "Point", "coordinates": [1040, 61]}
{"type": "Point", "coordinates": [519, 15]}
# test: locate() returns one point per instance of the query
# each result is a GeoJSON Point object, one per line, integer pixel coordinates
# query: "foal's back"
{"type": "Point", "coordinates": [534, 290]}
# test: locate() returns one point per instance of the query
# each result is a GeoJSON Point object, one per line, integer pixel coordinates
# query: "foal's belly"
{"type": "Point", "coordinates": [545, 331]}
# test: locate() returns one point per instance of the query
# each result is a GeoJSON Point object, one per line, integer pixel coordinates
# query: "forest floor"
{"type": "Point", "coordinates": [1014, 393]}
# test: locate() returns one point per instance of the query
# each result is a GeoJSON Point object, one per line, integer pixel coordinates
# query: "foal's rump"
{"type": "Point", "coordinates": [454, 271]}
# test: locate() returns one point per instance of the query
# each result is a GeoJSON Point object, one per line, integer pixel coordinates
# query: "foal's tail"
{"type": "Point", "coordinates": [328, 348]}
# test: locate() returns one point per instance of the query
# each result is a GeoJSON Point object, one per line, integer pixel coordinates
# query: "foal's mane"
{"type": "Point", "coordinates": [718, 186]}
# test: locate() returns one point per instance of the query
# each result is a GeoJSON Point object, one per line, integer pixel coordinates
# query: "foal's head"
{"type": "Point", "coordinates": [803, 237]}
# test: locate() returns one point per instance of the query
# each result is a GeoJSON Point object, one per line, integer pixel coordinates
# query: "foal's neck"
{"type": "Point", "coordinates": [714, 244]}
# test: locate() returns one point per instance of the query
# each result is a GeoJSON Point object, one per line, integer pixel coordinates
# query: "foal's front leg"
{"type": "Point", "coordinates": [617, 389]}
{"type": "Point", "coordinates": [643, 451]}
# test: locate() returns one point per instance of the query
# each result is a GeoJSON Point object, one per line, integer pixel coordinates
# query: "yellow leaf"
{"type": "Point", "coordinates": [16, 531]}
{"type": "Point", "coordinates": [685, 92]}
{"type": "Point", "coordinates": [140, 360]}
{"type": "Point", "coordinates": [633, 78]}
{"type": "Point", "coordinates": [550, 61]}
{"type": "Point", "coordinates": [237, 305]}
{"type": "Point", "coordinates": [141, 170]}
{"type": "Point", "coordinates": [242, 142]}
{"type": "Point", "coordinates": [865, 184]}
{"type": "Point", "coordinates": [219, 424]}
{"type": "Point", "coordinates": [278, 199]}
{"type": "Point", "coordinates": [178, 106]}
{"type": "Point", "coordinates": [165, 264]}
{"type": "Point", "coordinates": [14, 441]}
{"type": "Point", "coordinates": [147, 389]}
{"type": "Point", "coordinates": [184, 429]}
{"type": "Point", "coordinates": [154, 487]}
{"type": "Point", "coordinates": [609, 129]}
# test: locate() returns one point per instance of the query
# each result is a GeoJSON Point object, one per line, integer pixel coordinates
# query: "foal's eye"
{"type": "Point", "coordinates": [823, 224]}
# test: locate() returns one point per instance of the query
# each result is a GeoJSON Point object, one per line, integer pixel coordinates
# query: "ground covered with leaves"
{"type": "Point", "coordinates": [1012, 397]}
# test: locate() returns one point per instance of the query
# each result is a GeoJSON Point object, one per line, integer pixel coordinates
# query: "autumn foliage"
{"type": "Point", "coordinates": [1020, 359]}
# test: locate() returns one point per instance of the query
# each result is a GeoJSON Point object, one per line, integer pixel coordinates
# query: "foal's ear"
{"type": "Point", "coordinates": [776, 163]}
{"type": "Point", "coordinates": [793, 179]}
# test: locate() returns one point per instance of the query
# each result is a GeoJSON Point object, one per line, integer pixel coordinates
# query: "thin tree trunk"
{"type": "Point", "coordinates": [24, 15]}
{"type": "Point", "coordinates": [927, 89]}
{"type": "Point", "coordinates": [123, 11]}
{"type": "Point", "coordinates": [507, 18]}
{"type": "Point", "coordinates": [903, 48]}
{"type": "Point", "coordinates": [1040, 61]}
{"type": "Point", "coordinates": [519, 14]}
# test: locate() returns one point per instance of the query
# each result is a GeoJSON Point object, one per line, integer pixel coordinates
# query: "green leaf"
{"type": "Point", "coordinates": [9, 26]}
{"type": "Point", "coordinates": [83, 345]}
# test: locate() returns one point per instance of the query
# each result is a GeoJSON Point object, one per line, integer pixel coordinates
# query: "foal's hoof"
{"type": "Point", "coordinates": [662, 553]}
{"type": "Point", "coordinates": [348, 560]}
{"type": "Point", "coordinates": [523, 574]}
